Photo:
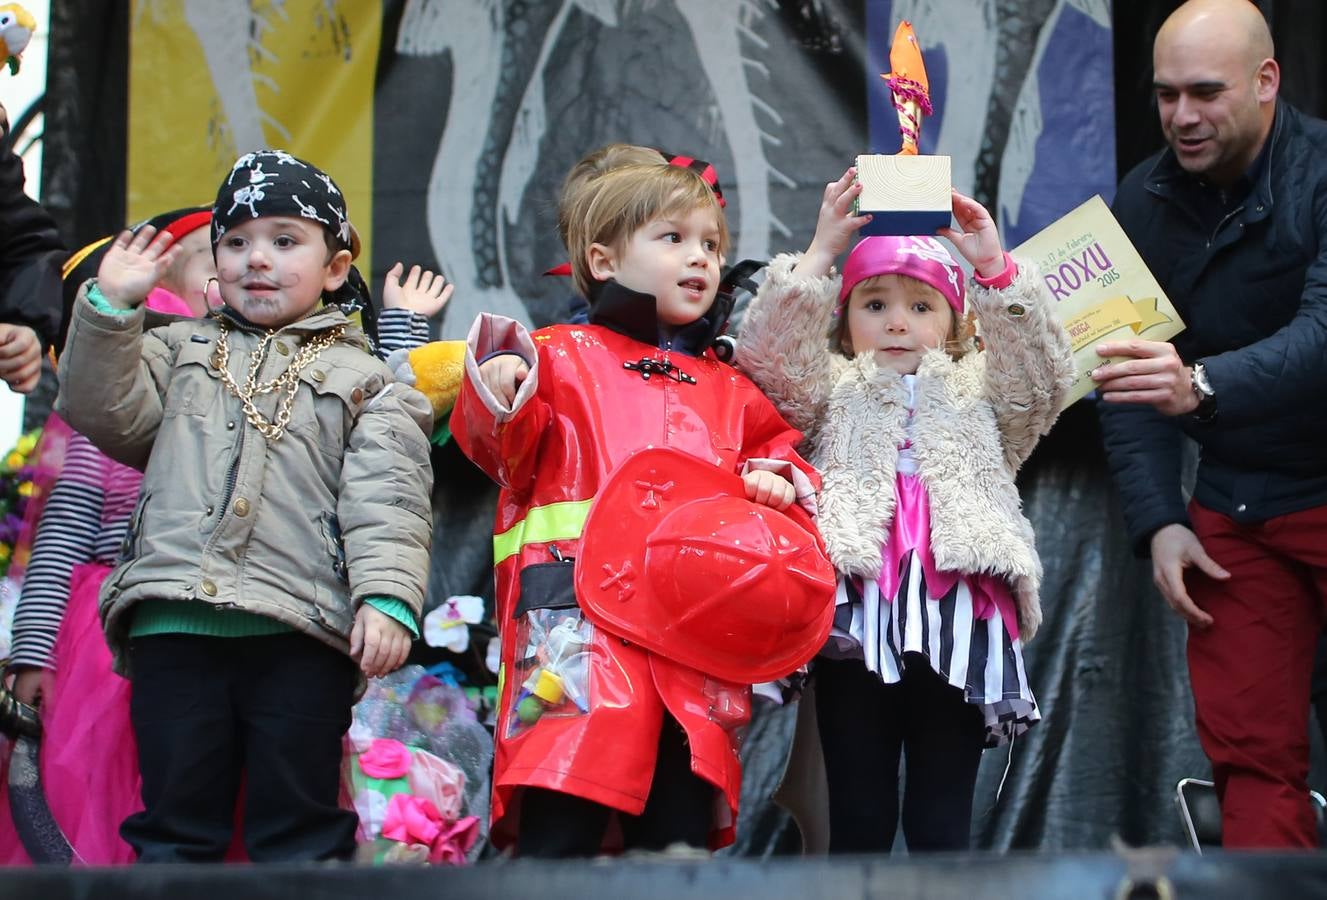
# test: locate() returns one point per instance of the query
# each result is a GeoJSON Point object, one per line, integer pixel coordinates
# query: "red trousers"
{"type": "Point", "coordinates": [1251, 670]}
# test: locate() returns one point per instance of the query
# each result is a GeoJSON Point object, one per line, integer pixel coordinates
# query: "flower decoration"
{"type": "Point", "coordinates": [385, 758]}
{"type": "Point", "coordinates": [16, 488]}
{"type": "Point", "coordinates": [448, 625]}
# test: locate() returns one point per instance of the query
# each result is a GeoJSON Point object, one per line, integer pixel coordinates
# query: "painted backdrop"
{"type": "Point", "coordinates": [450, 124]}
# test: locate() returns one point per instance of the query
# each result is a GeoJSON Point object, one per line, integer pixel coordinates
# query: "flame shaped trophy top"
{"type": "Point", "coordinates": [908, 86]}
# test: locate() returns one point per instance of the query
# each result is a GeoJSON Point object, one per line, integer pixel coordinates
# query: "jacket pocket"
{"type": "Point", "coordinates": [334, 399]}
{"type": "Point", "coordinates": [330, 527]}
{"type": "Point", "coordinates": [132, 545]}
{"type": "Point", "coordinates": [195, 384]}
{"type": "Point", "coordinates": [551, 670]}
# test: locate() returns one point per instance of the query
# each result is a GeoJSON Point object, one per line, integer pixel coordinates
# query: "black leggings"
{"type": "Point", "coordinates": [865, 726]}
{"type": "Point", "coordinates": [680, 809]}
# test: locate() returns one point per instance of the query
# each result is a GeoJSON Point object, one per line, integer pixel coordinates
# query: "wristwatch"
{"type": "Point", "coordinates": [1202, 389]}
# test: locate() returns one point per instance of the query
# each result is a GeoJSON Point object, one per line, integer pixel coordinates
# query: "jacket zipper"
{"type": "Point", "coordinates": [1222, 224]}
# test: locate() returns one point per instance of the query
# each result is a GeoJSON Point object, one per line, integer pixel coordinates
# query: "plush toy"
{"type": "Point", "coordinates": [439, 368]}
{"type": "Point", "coordinates": [16, 28]}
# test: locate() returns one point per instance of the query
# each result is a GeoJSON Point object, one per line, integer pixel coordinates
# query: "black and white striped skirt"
{"type": "Point", "coordinates": [976, 656]}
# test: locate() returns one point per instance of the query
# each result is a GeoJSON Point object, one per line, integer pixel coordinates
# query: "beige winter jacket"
{"type": "Point", "coordinates": [301, 530]}
{"type": "Point", "coordinates": [976, 421]}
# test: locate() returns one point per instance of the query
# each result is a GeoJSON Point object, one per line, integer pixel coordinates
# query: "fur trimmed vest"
{"type": "Point", "coordinates": [976, 420]}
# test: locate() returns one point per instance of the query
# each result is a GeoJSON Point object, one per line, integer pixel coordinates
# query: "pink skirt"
{"type": "Point", "coordinates": [88, 757]}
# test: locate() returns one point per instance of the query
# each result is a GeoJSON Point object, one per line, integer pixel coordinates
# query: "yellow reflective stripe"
{"type": "Point", "coordinates": [554, 522]}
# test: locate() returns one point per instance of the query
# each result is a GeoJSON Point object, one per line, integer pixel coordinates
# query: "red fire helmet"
{"type": "Point", "coordinates": [676, 559]}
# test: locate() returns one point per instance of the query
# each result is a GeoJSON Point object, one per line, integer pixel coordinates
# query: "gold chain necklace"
{"type": "Point", "coordinates": [287, 381]}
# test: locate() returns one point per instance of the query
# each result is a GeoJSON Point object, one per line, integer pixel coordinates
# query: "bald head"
{"type": "Point", "coordinates": [1235, 25]}
{"type": "Point", "coordinates": [1216, 83]}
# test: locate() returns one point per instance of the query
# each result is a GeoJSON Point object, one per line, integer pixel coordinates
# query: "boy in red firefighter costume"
{"type": "Point", "coordinates": [627, 747]}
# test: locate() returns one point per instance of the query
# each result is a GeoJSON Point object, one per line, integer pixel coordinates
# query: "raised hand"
{"type": "Point", "coordinates": [976, 238]}
{"type": "Point", "coordinates": [133, 265]}
{"type": "Point", "coordinates": [422, 291]}
{"type": "Point", "coordinates": [836, 226]}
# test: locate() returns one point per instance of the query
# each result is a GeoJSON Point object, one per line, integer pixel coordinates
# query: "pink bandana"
{"type": "Point", "coordinates": [923, 258]}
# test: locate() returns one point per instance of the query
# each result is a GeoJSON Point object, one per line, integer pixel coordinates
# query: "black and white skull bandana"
{"type": "Point", "coordinates": [274, 183]}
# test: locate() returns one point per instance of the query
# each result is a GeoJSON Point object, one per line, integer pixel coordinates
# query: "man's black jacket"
{"type": "Point", "coordinates": [31, 252]}
{"type": "Point", "coordinates": [1252, 290]}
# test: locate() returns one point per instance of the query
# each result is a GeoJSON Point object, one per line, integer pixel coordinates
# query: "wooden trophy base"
{"type": "Point", "coordinates": [904, 194]}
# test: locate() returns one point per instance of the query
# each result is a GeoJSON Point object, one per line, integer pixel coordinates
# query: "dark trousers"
{"type": "Point", "coordinates": [1251, 670]}
{"type": "Point", "coordinates": [680, 809]}
{"type": "Point", "coordinates": [866, 726]}
{"type": "Point", "coordinates": [206, 710]}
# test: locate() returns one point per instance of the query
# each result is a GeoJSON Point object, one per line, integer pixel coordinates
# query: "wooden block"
{"type": "Point", "coordinates": [904, 194]}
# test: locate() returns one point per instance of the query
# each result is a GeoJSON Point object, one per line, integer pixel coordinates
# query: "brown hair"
{"type": "Point", "coordinates": [962, 329]}
{"type": "Point", "coordinates": [609, 209]}
{"type": "Point", "coordinates": [594, 164]}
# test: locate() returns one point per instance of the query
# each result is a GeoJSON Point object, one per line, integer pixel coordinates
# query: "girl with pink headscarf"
{"type": "Point", "coordinates": [919, 427]}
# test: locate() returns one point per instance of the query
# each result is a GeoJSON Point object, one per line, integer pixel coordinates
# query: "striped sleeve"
{"type": "Point", "coordinates": [400, 329]}
{"type": "Point", "coordinates": [66, 536]}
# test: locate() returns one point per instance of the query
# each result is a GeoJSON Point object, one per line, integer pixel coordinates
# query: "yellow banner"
{"type": "Point", "coordinates": [1099, 321]}
{"type": "Point", "coordinates": [207, 84]}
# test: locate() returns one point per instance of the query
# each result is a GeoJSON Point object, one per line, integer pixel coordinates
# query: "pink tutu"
{"type": "Point", "coordinates": [88, 758]}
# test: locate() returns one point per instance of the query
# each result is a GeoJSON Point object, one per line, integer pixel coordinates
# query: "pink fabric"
{"type": "Point", "coordinates": [915, 256]}
{"type": "Point", "coordinates": [1001, 281]}
{"type": "Point", "coordinates": [385, 759]}
{"type": "Point", "coordinates": [454, 842]}
{"type": "Point", "coordinates": [163, 301]}
{"type": "Point", "coordinates": [411, 820]}
{"type": "Point", "coordinates": [437, 781]}
{"type": "Point", "coordinates": [911, 531]}
{"type": "Point", "coordinates": [89, 760]}
{"type": "Point", "coordinates": [414, 820]}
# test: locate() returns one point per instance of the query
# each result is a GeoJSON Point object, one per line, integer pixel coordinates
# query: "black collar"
{"type": "Point", "coordinates": [634, 314]}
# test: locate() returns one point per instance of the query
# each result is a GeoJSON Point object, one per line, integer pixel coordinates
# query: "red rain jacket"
{"type": "Point", "coordinates": [578, 415]}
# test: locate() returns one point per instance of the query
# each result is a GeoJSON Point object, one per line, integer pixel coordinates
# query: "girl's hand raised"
{"type": "Point", "coordinates": [420, 292]}
{"type": "Point", "coordinates": [976, 236]}
{"type": "Point", "coordinates": [836, 226]}
{"type": "Point", "coordinates": [133, 265]}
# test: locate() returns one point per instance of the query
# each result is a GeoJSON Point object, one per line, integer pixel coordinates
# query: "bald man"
{"type": "Point", "coordinates": [1232, 219]}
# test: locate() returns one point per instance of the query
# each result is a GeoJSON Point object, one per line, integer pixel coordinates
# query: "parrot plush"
{"type": "Point", "coordinates": [16, 28]}
{"type": "Point", "coordinates": [439, 368]}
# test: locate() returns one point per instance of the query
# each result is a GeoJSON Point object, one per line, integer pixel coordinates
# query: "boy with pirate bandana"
{"type": "Point", "coordinates": [283, 527]}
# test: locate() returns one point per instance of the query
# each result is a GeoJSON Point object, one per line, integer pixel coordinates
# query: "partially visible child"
{"type": "Point", "coordinates": [60, 661]}
{"type": "Point", "coordinates": [409, 301]}
{"type": "Point", "coordinates": [651, 759]}
{"type": "Point", "coordinates": [918, 437]}
{"type": "Point", "coordinates": [283, 526]}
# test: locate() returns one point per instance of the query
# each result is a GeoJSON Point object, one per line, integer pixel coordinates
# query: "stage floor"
{"type": "Point", "coordinates": [1145, 873]}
